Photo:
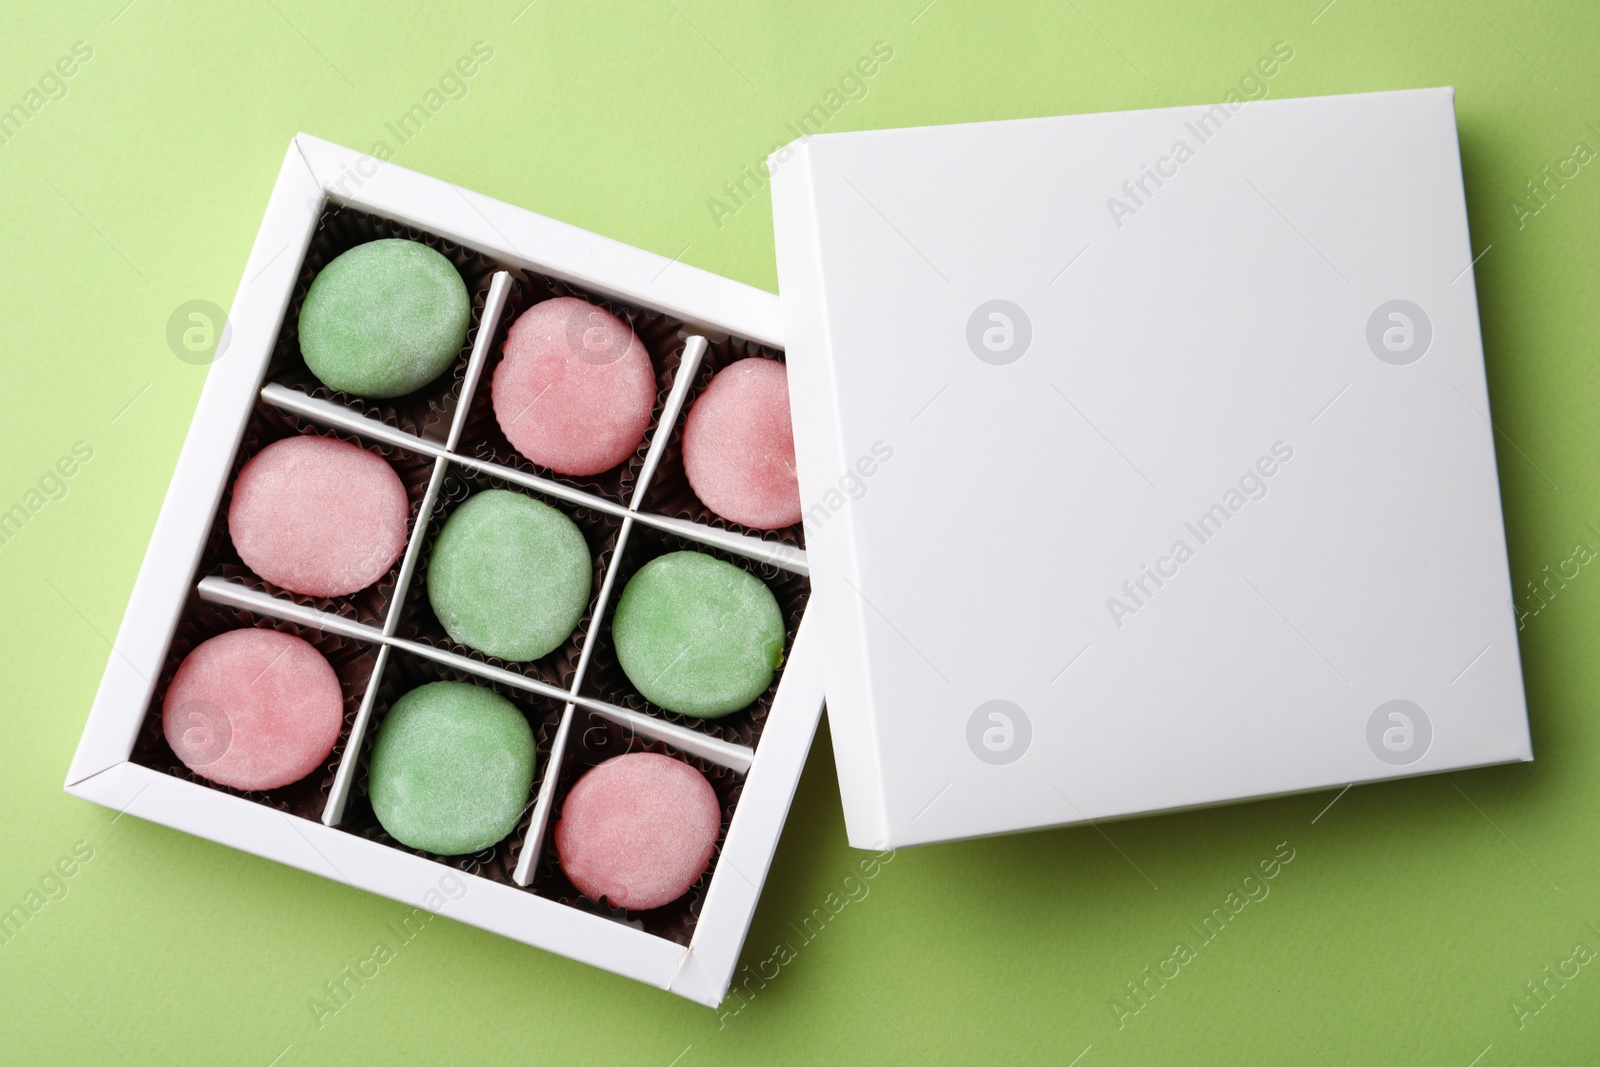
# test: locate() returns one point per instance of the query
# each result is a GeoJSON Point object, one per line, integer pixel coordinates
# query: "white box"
{"type": "Point", "coordinates": [316, 174]}
{"type": "Point", "coordinates": [1030, 359]}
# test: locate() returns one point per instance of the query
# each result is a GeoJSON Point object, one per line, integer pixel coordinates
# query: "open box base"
{"type": "Point", "coordinates": [325, 193]}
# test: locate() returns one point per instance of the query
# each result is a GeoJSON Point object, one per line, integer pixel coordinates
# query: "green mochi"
{"type": "Point", "coordinates": [384, 319]}
{"type": "Point", "coordinates": [451, 768]}
{"type": "Point", "coordinates": [510, 576]}
{"type": "Point", "coordinates": [697, 635]}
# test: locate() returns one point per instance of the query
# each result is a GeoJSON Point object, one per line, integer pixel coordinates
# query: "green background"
{"type": "Point", "coordinates": [1412, 912]}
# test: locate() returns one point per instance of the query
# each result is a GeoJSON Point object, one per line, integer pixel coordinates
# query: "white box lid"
{"type": "Point", "coordinates": [1028, 357]}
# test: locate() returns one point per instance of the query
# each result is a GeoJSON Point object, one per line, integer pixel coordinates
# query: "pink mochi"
{"type": "Point", "coordinates": [253, 709]}
{"type": "Point", "coordinates": [638, 830]}
{"type": "Point", "coordinates": [576, 388]}
{"type": "Point", "coordinates": [738, 446]}
{"type": "Point", "coordinates": [318, 516]}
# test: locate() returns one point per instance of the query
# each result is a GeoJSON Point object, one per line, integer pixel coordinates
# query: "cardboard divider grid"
{"type": "Point", "coordinates": [445, 443]}
{"type": "Point", "coordinates": [405, 672]}
{"type": "Point", "coordinates": [419, 622]}
{"type": "Point", "coordinates": [663, 338]}
{"type": "Point", "coordinates": [606, 681]}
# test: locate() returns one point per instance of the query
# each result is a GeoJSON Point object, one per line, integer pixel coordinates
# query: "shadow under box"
{"type": "Point", "coordinates": [669, 492]}
{"type": "Point", "coordinates": [605, 679]}
{"type": "Point", "coordinates": [591, 741]}
{"type": "Point", "coordinates": [220, 558]}
{"type": "Point", "coordinates": [352, 662]}
{"type": "Point", "coordinates": [663, 339]}
{"type": "Point", "coordinates": [425, 412]}
{"type": "Point", "coordinates": [406, 672]}
{"type": "Point", "coordinates": [418, 621]}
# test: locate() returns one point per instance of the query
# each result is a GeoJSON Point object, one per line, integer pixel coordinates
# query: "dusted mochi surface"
{"type": "Point", "coordinates": [384, 319]}
{"type": "Point", "coordinates": [318, 516]}
{"type": "Point", "coordinates": [253, 709]}
{"type": "Point", "coordinates": [451, 768]}
{"type": "Point", "coordinates": [575, 389]}
{"type": "Point", "coordinates": [738, 446]}
{"type": "Point", "coordinates": [510, 576]}
{"type": "Point", "coordinates": [638, 830]}
{"type": "Point", "coordinates": [697, 635]}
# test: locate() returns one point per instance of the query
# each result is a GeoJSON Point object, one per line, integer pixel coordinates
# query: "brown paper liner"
{"type": "Point", "coordinates": [605, 679]}
{"type": "Point", "coordinates": [404, 673]}
{"type": "Point", "coordinates": [591, 741]}
{"type": "Point", "coordinates": [662, 338]}
{"type": "Point", "coordinates": [268, 426]}
{"type": "Point", "coordinates": [352, 661]}
{"type": "Point", "coordinates": [418, 621]}
{"type": "Point", "coordinates": [670, 493]}
{"type": "Point", "coordinates": [425, 412]}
